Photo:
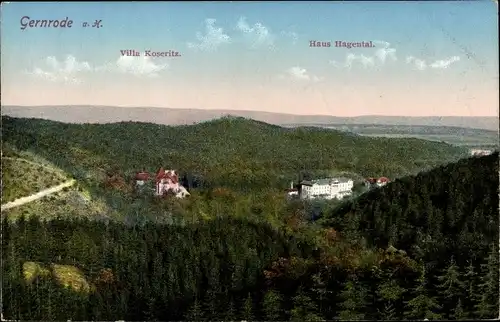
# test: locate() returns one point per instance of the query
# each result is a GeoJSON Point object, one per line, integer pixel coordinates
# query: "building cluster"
{"type": "Point", "coordinates": [330, 188]}
{"type": "Point", "coordinates": [166, 181]}
{"type": "Point", "coordinates": [479, 153]}
{"type": "Point", "coordinates": [376, 182]}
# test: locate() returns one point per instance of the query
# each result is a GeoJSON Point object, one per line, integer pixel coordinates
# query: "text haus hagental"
{"type": "Point", "coordinates": [342, 44]}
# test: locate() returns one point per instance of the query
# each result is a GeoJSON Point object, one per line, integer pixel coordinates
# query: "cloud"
{"type": "Point", "coordinates": [291, 35]}
{"type": "Point", "coordinates": [143, 66]}
{"type": "Point", "coordinates": [364, 60]}
{"type": "Point", "coordinates": [380, 56]}
{"type": "Point", "coordinates": [300, 74]}
{"type": "Point", "coordinates": [258, 33]}
{"type": "Point", "coordinates": [385, 51]}
{"type": "Point", "coordinates": [418, 63]}
{"type": "Point", "coordinates": [139, 66]}
{"type": "Point", "coordinates": [421, 64]}
{"type": "Point", "coordinates": [445, 63]}
{"type": "Point", "coordinates": [213, 38]}
{"type": "Point", "coordinates": [61, 71]}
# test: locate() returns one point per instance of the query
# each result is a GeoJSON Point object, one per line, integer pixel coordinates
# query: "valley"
{"type": "Point", "coordinates": [117, 249]}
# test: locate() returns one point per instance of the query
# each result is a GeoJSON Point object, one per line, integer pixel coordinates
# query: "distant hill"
{"type": "Point", "coordinates": [170, 116]}
{"type": "Point", "coordinates": [229, 151]}
{"type": "Point", "coordinates": [234, 153]}
{"type": "Point", "coordinates": [470, 137]}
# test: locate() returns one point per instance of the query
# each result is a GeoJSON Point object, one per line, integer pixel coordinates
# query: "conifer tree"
{"type": "Point", "coordinates": [247, 309]}
{"type": "Point", "coordinates": [231, 311]}
{"type": "Point", "coordinates": [304, 309]}
{"type": "Point", "coordinates": [388, 293]}
{"type": "Point", "coordinates": [353, 300]}
{"type": "Point", "coordinates": [487, 292]}
{"type": "Point", "coordinates": [458, 313]}
{"type": "Point", "coordinates": [320, 288]}
{"type": "Point", "coordinates": [211, 305]}
{"type": "Point", "coordinates": [422, 305]}
{"type": "Point", "coordinates": [470, 289]}
{"type": "Point", "coordinates": [272, 305]}
{"type": "Point", "coordinates": [450, 288]}
{"type": "Point", "coordinates": [195, 312]}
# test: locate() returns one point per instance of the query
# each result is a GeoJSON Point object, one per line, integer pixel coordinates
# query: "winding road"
{"type": "Point", "coordinates": [24, 200]}
{"type": "Point", "coordinates": [45, 192]}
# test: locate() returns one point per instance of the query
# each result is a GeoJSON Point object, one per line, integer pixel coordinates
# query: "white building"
{"type": "Point", "coordinates": [478, 152]}
{"type": "Point", "coordinates": [326, 188]}
{"type": "Point", "coordinates": [292, 192]}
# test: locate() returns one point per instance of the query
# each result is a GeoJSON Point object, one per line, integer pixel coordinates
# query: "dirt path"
{"type": "Point", "coordinates": [24, 200]}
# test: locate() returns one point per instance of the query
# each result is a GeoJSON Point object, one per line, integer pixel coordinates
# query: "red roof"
{"type": "Point", "coordinates": [160, 173]}
{"type": "Point", "coordinates": [371, 180]}
{"type": "Point", "coordinates": [144, 176]}
{"type": "Point", "coordinates": [167, 175]}
{"type": "Point", "coordinates": [383, 179]}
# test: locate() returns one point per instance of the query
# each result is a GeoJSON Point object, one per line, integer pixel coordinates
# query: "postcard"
{"type": "Point", "coordinates": [249, 161]}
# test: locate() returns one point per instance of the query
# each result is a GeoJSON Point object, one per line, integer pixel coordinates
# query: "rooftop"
{"type": "Point", "coordinates": [325, 181]}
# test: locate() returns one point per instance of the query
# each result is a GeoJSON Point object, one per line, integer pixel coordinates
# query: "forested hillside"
{"type": "Point", "coordinates": [421, 247]}
{"type": "Point", "coordinates": [229, 152]}
{"type": "Point", "coordinates": [21, 178]}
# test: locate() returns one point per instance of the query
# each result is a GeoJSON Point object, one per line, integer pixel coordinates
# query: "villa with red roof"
{"type": "Point", "coordinates": [165, 181]}
{"type": "Point", "coordinates": [168, 180]}
{"type": "Point", "coordinates": [376, 182]}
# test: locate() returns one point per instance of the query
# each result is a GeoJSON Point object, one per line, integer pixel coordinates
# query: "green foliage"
{"type": "Point", "coordinates": [272, 305]}
{"type": "Point", "coordinates": [247, 310]}
{"type": "Point", "coordinates": [22, 178]}
{"type": "Point", "coordinates": [422, 305]}
{"type": "Point", "coordinates": [237, 249]}
{"type": "Point", "coordinates": [271, 158]}
{"type": "Point", "coordinates": [304, 309]}
{"type": "Point", "coordinates": [487, 295]}
{"type": "Point", "coordinates": [451, 288]}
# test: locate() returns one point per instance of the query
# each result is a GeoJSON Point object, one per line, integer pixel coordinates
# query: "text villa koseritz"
{"type": "Point", "coordinates": [341, 44]}
{"type": "Point", "coordinates": [27, 22]}
{"type": "Point", "coordinates": [150, 53]}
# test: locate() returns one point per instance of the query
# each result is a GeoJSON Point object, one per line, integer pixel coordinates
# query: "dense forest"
{"type": "Point", "coordinates": [232, 152]}
{"type": "Point", "coordinates": [229, 165]}
{"type": "Point", "coordinates": [424, 246]}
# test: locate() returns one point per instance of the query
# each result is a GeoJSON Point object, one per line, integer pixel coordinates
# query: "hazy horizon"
{"type": "Point", "coordinates": [229, 110]}
{"type": "Point", "coordinates": [173, 116]}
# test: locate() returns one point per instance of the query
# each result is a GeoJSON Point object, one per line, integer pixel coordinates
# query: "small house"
{"type": "Point", "coordinates": [168, 181]}
{"type": "Point", "coordinates": [141, 178]}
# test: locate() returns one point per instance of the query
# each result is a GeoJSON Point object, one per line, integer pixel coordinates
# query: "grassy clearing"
{"type": "Point", "coordinates": [71, 277]}
{"type": "Point", "coordinates": [66, 275]}
{"type": "Point", "coordinates": [21, 178]}
{"type": "Point", "coordinates": [64, 204]}
{"type": "Point", "coordinates": [32, 269]}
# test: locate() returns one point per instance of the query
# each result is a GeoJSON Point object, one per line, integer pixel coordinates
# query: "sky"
{"type": "Point", "coordinates": [427, 59]}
